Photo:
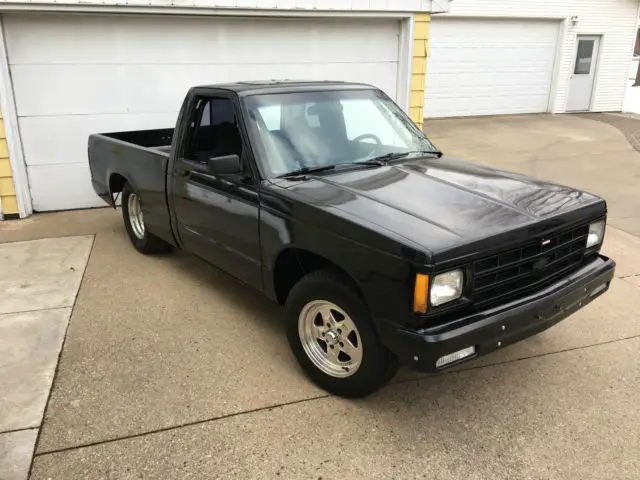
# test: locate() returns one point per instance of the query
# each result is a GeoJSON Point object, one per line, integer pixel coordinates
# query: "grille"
{"type": "Point", "coordinates": [531, 266]}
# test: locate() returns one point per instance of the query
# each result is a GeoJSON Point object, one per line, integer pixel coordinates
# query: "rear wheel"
{"type": "Point", "coordinates": [142, 239]}
{"type": "Point", "coordinates": [333, 339]}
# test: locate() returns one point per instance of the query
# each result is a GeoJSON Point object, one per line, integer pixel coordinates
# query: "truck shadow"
{"type": "Point", "coordinates": [266, 315]}
{"type": "Point", "coordinates": [240, 296]}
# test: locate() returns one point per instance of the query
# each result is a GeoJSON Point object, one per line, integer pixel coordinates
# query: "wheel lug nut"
{"type": "Point", "coordinates": [339, 331]}
{"type": "Point", "coordinates": [332, 347]}
{"type": "Point", "coordinates": [341, 344]}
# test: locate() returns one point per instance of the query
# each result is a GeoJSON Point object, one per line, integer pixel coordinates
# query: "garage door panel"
{"type": "Point", "coordinates": [109, 39]}
{"type": "Point", "coordinates": [470, 83]}
{"type": "Point", "coordinates": [489, 66]}
{"type": "Point", "coordinates": [52, 140]}
{"type": "Point", "coordinates": [488, 104]}
{"type": "Point", "coordinates": [62, 187]}
{"type": "Point", "coordinates": [67, 40]}
{"type": "Point", "coordinates": [472, 59]}
{"type": "Point", "coordinates": [494, 30]}
{"type": "Point", "coordinates": [108, 89]}
{"type": "Point", "coordinates": [67, 89]}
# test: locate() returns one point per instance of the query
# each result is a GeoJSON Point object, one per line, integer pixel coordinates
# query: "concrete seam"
{"type": "Point", "coordinates": [3, 242]}
{"type": "Point", "coordinates": [14, 430]}
{"type": "Point", "coordinates": [629, 276]}
{"type": "Point", "coordinates": [296, 402]}
{"type": "Point", "coordinates": [626, 231]}
{"type": "Point", "coordinates": [55, 373]}
{"type": "Point", "coordinates": [37, 310]}
{"type": "Point", "coordinates": [182, 425]}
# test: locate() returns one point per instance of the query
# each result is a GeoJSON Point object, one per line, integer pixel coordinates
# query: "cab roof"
{"type": "Point", "coordinates": [284, 86]}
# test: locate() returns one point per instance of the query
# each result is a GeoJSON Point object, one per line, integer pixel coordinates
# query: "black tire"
{"type": "Point", "coordinates": [148, 243]}
{"type": "Point", "coordinates": [378, 364]}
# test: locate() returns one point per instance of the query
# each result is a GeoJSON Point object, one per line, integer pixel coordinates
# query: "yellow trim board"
{"type": "Point", "coordinates": [419, 67]}
{"type": "Point", "coordinates": [8, 200]}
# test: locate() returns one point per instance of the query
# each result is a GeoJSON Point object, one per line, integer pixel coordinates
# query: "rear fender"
{"type": "Point", "coordinates": [116, 188]}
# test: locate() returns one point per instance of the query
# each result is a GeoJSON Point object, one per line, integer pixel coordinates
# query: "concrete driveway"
{"type": "Point", "coordinates": [171, 370]}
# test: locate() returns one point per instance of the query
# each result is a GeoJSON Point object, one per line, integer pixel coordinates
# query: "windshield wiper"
{"type": "Point", "coordinates": [307, 170]}
{"type": "Point", "coordinates": [373, 162]}
{"type": "Point", "coordinates": [388, 157]}
{"type": "Point", "coordinates": [435, 153]}
{"type": "Point", "coordinates": [379, 161]}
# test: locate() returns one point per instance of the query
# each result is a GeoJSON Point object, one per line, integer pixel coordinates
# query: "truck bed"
{"type": "Point", "coordinates": [159, 139]}
{"type": "Point", "coordinates": [140, 158]}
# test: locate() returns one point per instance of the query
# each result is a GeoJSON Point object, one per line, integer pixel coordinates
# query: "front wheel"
{"type": "Point", "coordinates": [333, 339]}
{"type": "Point", "coordinates": [143, 240]}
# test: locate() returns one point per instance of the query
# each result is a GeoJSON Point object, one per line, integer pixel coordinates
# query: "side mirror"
{"type": "Point", "coordinates": [227, 165]}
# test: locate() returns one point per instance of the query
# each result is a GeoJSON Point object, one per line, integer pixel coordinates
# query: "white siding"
{"type": "Point", "coordinates": [615, 20]}
{"type": "Point", "coordinates": [318, 5]}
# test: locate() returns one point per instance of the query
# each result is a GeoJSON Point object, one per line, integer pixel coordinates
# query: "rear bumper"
{"type": "Point", "coordinates": [500, 326]}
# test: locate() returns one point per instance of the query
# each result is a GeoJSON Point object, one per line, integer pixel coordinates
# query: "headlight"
{"type": "Point", "coordinates": [446, 287]}
{"type": "Point", "coordinates": [596, 231]}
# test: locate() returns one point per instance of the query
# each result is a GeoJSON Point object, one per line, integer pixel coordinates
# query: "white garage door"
{"type": "Point", "coordinates": [488, 67]}
{"type": "Point", "coordinates": [76, 75]}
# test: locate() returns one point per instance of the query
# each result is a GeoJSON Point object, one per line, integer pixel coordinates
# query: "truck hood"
{"type": "Point", "coordinates": [439, 204]}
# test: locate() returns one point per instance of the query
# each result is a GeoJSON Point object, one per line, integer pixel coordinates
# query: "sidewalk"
{"type": "Point", "coordinates": [40, 281]}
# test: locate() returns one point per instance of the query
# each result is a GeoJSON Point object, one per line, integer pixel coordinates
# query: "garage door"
{"type": "Point", "coordinates": [76, 75]}
{"type": "Point", "coordinates": [488, 67]}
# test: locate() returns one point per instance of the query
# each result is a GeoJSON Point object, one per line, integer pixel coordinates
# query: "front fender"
{"type": "Point", "coordinates": [383, 278]}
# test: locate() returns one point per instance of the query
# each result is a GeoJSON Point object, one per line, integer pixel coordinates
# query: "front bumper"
{"type": "Point", "coordinates": [499, 326]}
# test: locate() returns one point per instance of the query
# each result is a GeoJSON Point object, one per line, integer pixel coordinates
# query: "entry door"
{"type": "Point", "coordinates": [584, 73]}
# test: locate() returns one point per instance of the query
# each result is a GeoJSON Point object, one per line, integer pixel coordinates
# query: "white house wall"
{"type": "Point", "coordinates": [615, 20]}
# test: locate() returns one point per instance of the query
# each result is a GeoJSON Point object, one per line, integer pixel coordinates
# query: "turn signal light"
{"type": "Point", "coordinates": [420, 293]}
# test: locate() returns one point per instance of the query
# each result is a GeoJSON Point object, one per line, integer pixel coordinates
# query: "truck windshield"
{"type": "Point", "coordinates": [314, 129]}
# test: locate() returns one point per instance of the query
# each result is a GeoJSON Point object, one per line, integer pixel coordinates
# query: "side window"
{"type": "Point", "coordinates": [205, 120]}
{"type": "Point", "coordinates": [214, 130]}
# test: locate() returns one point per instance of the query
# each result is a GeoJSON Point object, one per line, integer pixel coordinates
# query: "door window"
{"type": "Point", "coordinates": [214, 130]}
{"type": "Point", "coordinates": [584, 57]}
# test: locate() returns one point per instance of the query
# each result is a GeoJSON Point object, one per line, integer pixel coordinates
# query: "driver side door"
{"type": "Point", "coordinates": [217, 215]}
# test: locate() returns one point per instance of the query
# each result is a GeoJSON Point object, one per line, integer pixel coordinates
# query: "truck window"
{"type": "Point", "coordinates": [213, 130]}
{"type": "Point", "coordinates": [318, 128]}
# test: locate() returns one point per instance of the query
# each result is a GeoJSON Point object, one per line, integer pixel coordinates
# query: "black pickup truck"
{"type": "Point", "coordinates": [329, 200]}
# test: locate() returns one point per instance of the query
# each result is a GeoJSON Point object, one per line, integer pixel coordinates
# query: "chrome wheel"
{"type": "Point", "coordinates": [135, 216]}
{"type": "Point", "coordinates": [330, 338]}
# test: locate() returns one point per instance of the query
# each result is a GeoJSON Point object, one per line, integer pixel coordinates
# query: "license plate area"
{"type": "Point", "coordinates": [572, 300]}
